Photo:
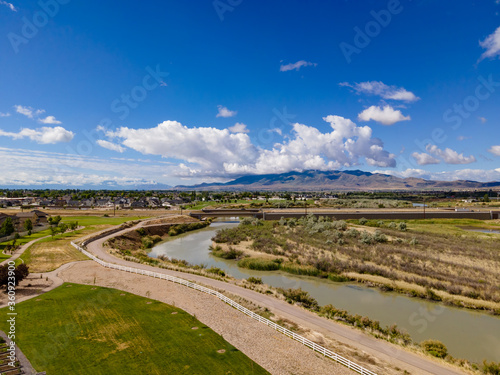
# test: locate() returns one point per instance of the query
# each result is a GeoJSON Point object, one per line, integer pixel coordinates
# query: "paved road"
{"type": "Point", "coordinates": [414, 363]}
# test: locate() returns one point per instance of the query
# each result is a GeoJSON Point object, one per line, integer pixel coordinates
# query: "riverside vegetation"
{"type": "Point", "coordinates": [457, 268]}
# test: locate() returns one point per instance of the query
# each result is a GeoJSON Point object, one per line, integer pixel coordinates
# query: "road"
{"type": "Point", "coordinates": [414, 363]}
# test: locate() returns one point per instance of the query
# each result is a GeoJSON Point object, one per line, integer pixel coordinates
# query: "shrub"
{"type": "Point", "coordinates": [217, 271]}
{"type": "Point", "coordinates": [491, 368]}
{"type": "Point", "coordinates": [379, 236]}
{"type": "Point", "coordinates": [254, 280]}
{"type": "Point", "coordinates": [352, 233]}
{"type": "Point", "coordinates": [231, 253]}
{"type": "Point", "coordinates": [392, 225]}
{"type": "Point", "coordinates": [258, 264]}
{"type": "Point", "coordinates": [435, 348]}
{"type": "Point", "coordinates": [413, 241]}
{"type": "Point", "coordinates": [362, 221]}
{"type": "Point", "coordinates": [366, 238]}
{"type": "Point", "coordinates": [402, 226]}
{"type": "Point", "coordinates": [300, 296]}
{"type": "Point", "coordinates": [298, 269]}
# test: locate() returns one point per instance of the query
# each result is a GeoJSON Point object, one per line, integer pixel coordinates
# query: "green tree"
{"type": "Point", "coordinates": [7, 227]}
{"type": "Point", "coordinates": [28, 225]}
{"type": "Point", "coordinates": [486, 198]}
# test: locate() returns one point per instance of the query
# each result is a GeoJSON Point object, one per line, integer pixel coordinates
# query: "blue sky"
{"type": "Point", "coordinates": [136, 93]}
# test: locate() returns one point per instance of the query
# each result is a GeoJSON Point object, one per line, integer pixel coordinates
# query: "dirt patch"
{"type": "Point", "coordinates": [23, 290]}
{"type": "Point", "coordinates": [221, 351]}
{"type": "Point", "coordinates": [176, 219]}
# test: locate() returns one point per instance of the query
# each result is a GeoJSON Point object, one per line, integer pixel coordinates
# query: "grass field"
{"type": "Point", "coordinates": [106, 331]}
{"type": "Point", "coordinates": [50, 253]}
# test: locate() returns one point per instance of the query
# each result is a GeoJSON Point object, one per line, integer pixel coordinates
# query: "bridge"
{"type": "Point", "coordinates": [227, 213]}
{"type": "Point", "coordinates": [345, 215]}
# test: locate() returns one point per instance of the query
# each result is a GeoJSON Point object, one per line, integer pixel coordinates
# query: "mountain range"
{"type": "Point", "coordinates": [356, 180]}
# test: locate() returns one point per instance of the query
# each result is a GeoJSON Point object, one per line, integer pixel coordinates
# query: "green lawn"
{"type": "Point", "coordinates": [80, 329]}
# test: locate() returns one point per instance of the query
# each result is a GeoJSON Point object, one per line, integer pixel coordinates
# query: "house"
{"type": "Point", "coordinates": [22, 217]}
{"type": "Point", "coordinates": [42, 217]}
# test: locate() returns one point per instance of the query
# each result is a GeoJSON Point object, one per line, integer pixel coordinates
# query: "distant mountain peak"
{"type": "Point", "coordinates": [349, 180]}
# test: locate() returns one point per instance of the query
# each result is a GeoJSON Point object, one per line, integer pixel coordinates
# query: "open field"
{"type": "Point", "coordinates": [432, 259]}
{"type": "Point", "coordinates": [50, 253]}
{"type": "Point", "coordinates": [120, 333]}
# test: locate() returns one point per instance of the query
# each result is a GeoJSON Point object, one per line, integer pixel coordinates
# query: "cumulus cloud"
{"type": "Point", "coordinates": [28, 111]}
{"type": "Point", "coordinates": [238, 128]}
{"type": "Point", "coordinates": [386, 115]}
{"type": "Point", "coordinates": [49, 120]}
{"type": "Point", "coordinates": [8, 5]}
{"type": "Point", "coordinates": [462, 138]}
{"type": "Point", "coordinates": [224, 112]}
{"type": "Point", "coordinates": [45, 135]}
{"type": "Point", "coordinates": [495, 150]}
{"type": "Point", "coordinates": [492, 45]}
{"type": "Point", "coordinates": [7, 114]}
{"type": "Point", "coordinates": [296, 66]}
{"type": "Point", "coordinates": [482, 119]}
{"type": "Point", "coordinates": [450, 156]}
{"type": "Point", "coordinates": [424, 159]}
{"type": "Point", "coordinates": [110, 145]}
{"type": "Point", "coordinates": [381, 89]}
{"type": "Point", "coordinates": [206, 150]}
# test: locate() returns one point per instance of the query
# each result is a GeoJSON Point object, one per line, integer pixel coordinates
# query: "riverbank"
{"type": "Point", "coordinates": [458, 270]}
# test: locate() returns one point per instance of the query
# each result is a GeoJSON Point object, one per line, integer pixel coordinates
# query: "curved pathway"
{"type": "Point", "coordinates": [415, 363]}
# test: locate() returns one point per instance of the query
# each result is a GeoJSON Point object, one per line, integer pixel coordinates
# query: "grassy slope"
{"type": "Point", "coordinates": [49, 254]}
{"type": "Point", "coordinates": [106, 331]}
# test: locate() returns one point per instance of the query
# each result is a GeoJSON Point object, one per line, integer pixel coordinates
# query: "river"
{"type": "Point", "coordinates": [467, 334]}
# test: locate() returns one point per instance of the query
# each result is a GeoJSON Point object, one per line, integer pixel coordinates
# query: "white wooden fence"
{"type": "Point", "coordinates": [327, 353]}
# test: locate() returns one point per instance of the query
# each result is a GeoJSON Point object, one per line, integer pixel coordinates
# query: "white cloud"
{"type": "Point", "coordinates": [482, 175]}
{"type": "Point", "coordinates": [211, 151]}
{"type": "Point", "coordinates": [238, 128]}
{"type": "Point", "coordinates": [8, 5]}
{"type": "Point", "coordinates": [450, 156]}
{"type": "Point", "coordinates": [482, 119]}
{"type": "Point", "coordinates": [110, 145]}
{"type": "Point", "coordinates": [495, 150]}
{"type": "Point", "coordinates": [45, 135]}
{"type": "Point", "coordinates": [492, 45]}
{"type": "Point", "coordinates": [424, 159]}
{"type": "Point", "coordinates": [385, 116]}
{"type": "Point", "coordinates": [7, 114]}
{"type": "Point", "coordinates": [49, 120]}
{"type": "Point", "coordinates": [276, 130]}
{"type": "Point", "coordinates": [38, 168]}
{"type": "Point", "coordinates": [381, 89]}
{"type": "Point", "coordinates": [224, 112]}
{"type": "Point", "coordinates": [28, 111]}
{"type": "Point", "coordinates": [299, 64]}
